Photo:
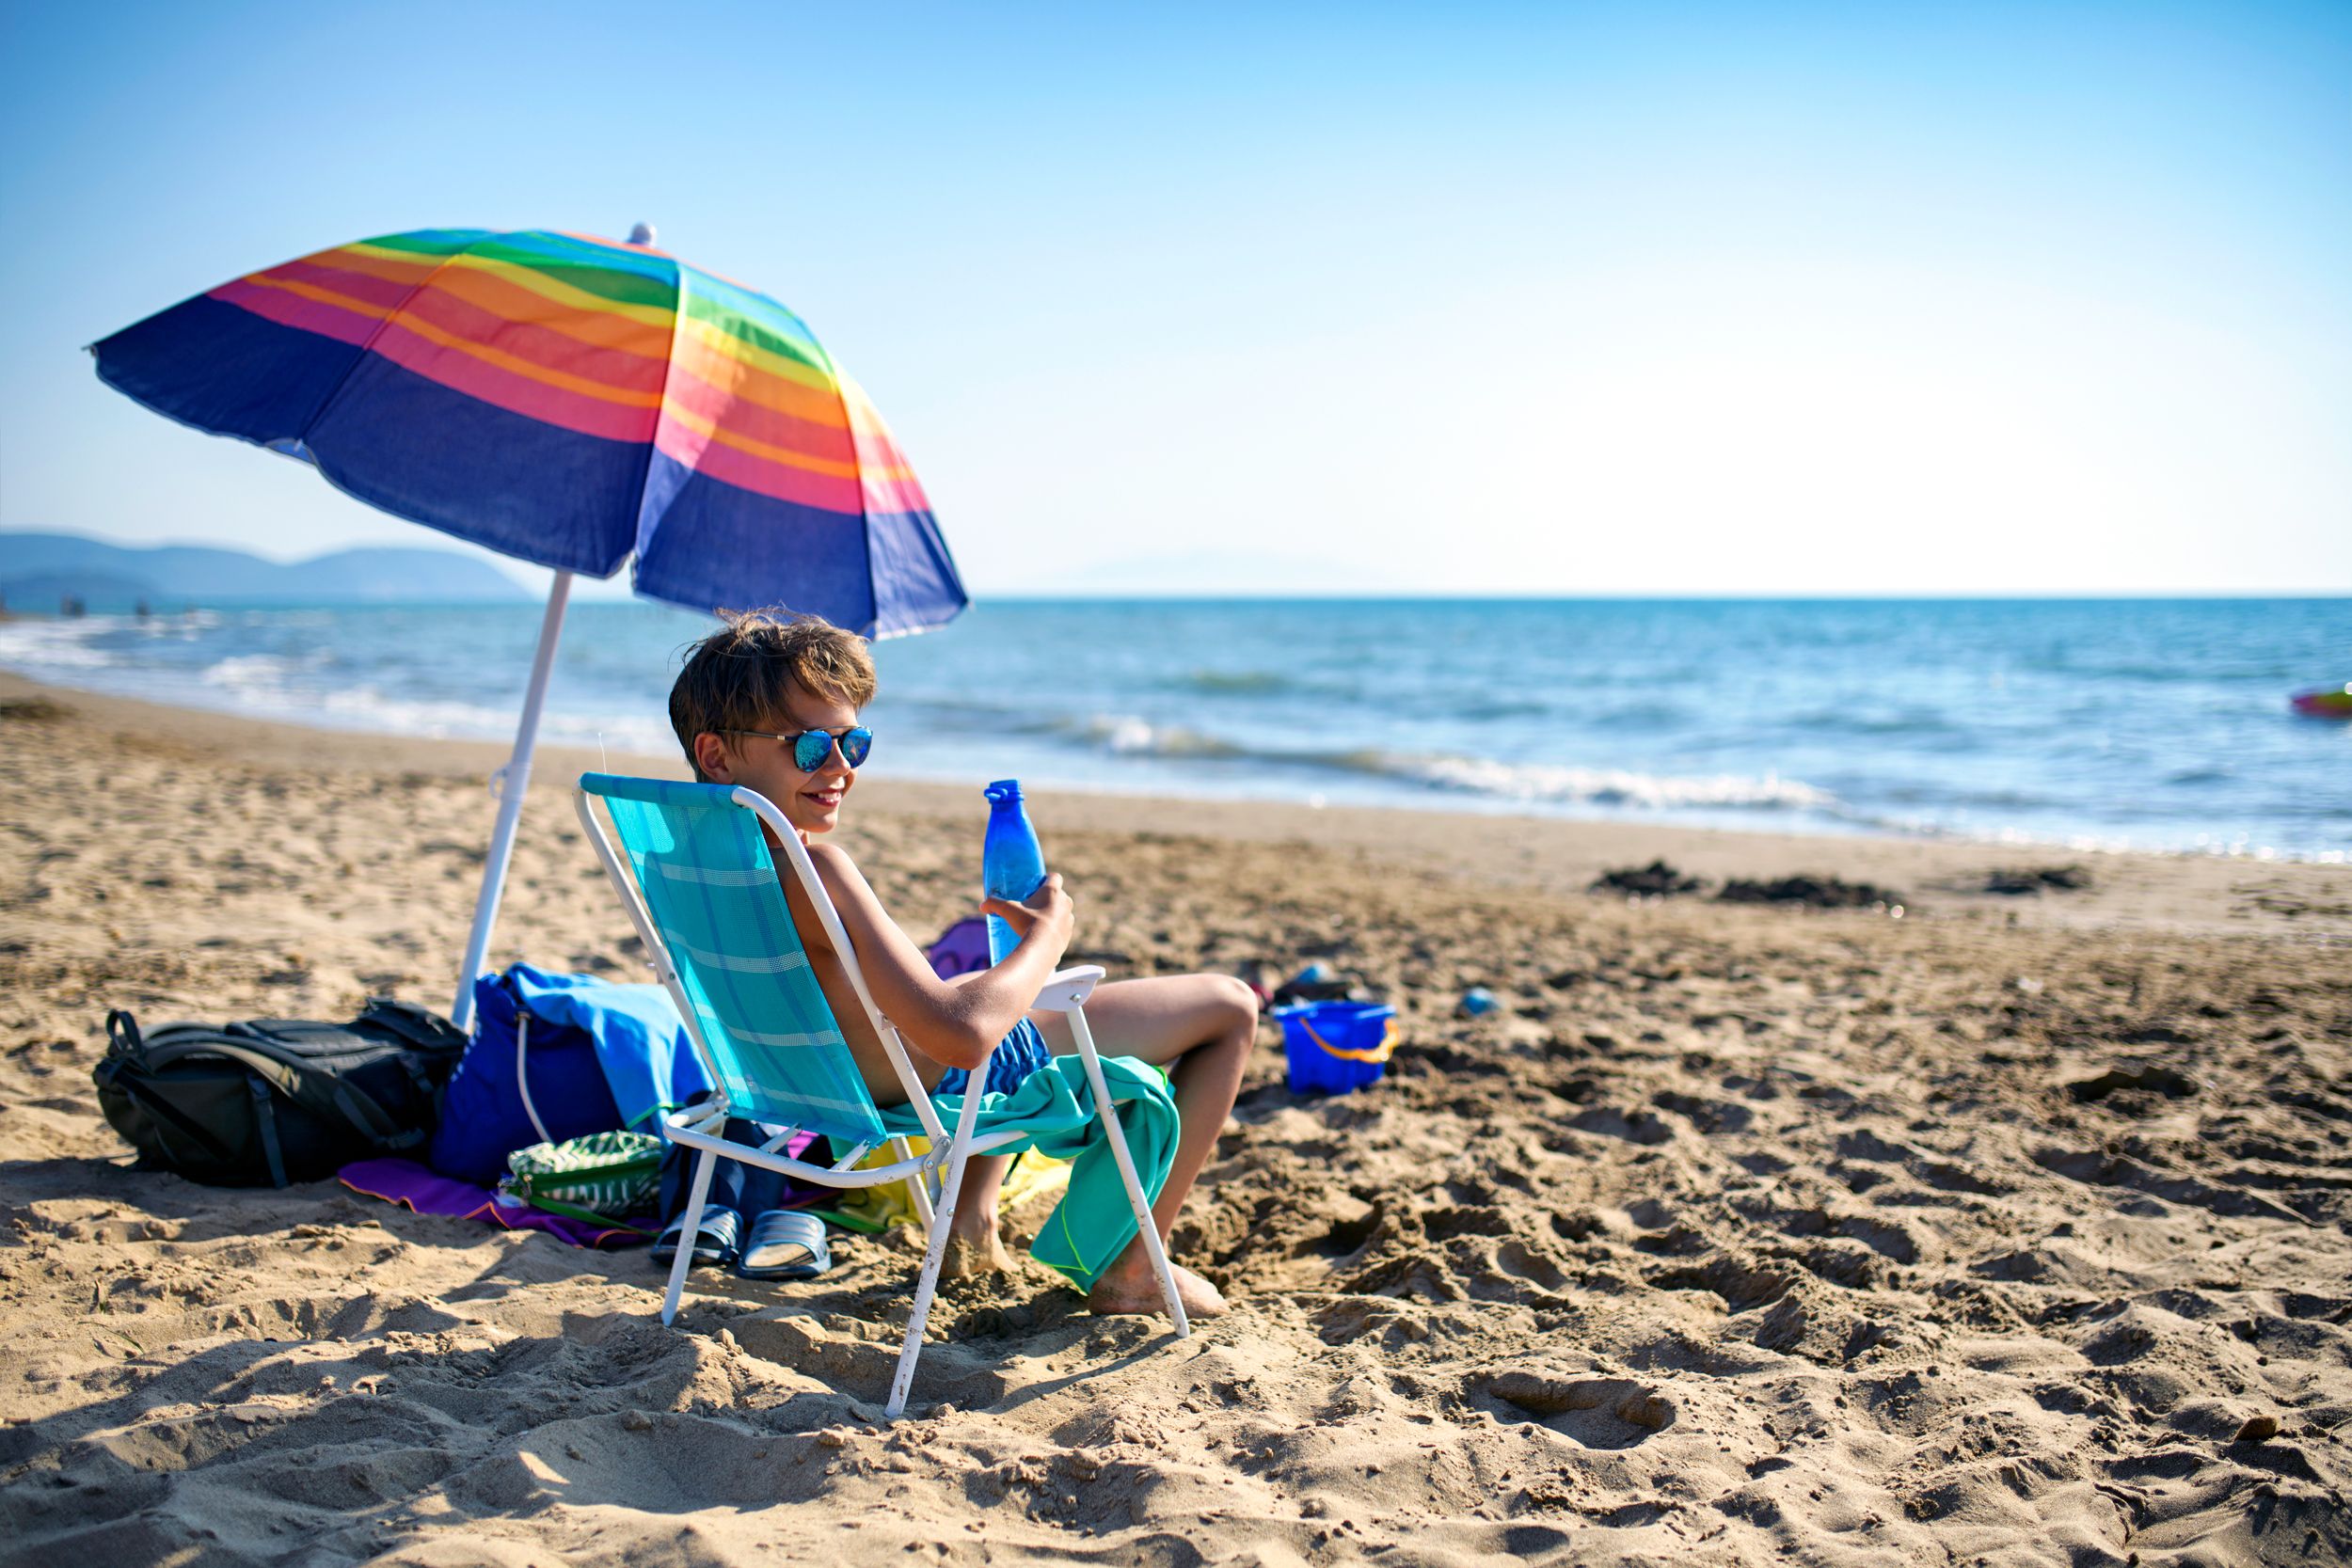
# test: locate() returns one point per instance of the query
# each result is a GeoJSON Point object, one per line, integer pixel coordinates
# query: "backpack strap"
{"type": "Point", "coordinates": [420, 1027]}
{"type": "Point", "coordinates": [326, 1096]}
{"type": "Point", "coordinates": [435, 1044]}
{"type": "Point", "coordinates": [265, 1113]}
{"type": "Point", "coordinates": [122, 1033]}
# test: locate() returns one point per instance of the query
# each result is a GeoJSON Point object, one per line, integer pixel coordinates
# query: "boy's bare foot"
{"type": "Point", "coordinates": [971, 1253]}
{"type": "Point", "coordinates": [1122, 1289]}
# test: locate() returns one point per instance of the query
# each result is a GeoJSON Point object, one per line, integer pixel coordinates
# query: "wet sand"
{"type": "Point", "coordinates": [2011, 1230]}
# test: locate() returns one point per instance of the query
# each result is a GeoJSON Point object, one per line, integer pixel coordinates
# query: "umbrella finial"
{"type": "Point", "coordinates": [640, 234]}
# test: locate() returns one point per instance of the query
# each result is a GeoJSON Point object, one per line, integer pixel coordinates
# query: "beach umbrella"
{"type": "Point", "coordinates": [577, 403]}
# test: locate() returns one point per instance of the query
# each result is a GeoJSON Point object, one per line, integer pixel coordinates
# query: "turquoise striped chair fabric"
{"type": "Point", "coordinates": [703, 869]}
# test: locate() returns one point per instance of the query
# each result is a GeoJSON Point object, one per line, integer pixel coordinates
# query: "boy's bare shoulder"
{"type": "Point", "coordinates": [829, 856]}
{"type": "Point", "coordinates": [836, 874]}
{"type": "Point", "coordinates": [834, 866]}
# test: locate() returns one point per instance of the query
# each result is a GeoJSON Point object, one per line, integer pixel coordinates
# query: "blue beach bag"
{"type": "Point", "coordinates": [1335, 1046]}
{"type": "Point", "coordinates": [485, 1115]}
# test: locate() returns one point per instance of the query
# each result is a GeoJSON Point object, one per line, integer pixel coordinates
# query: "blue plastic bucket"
{"type": "Point", "coordinates": [1335, 1046]}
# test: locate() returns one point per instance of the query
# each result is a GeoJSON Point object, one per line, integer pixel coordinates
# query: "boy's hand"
{"type": "Point", "coordinates": [1045, 916]}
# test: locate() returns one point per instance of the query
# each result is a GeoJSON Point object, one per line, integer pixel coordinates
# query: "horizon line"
{"type": "Point", "coordinates": [1357, 596]}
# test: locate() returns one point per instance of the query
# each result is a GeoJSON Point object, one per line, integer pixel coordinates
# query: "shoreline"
{"type": "Point", "coordinates": [1937, 878]}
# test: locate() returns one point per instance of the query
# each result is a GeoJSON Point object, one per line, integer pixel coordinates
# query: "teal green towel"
{"type": "Point", "coordinates": [1093, 1222]}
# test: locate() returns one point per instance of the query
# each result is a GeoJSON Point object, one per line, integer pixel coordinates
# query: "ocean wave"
{"type": "Point", "coordinates": [368, 707]}
{"type": "Point", "coordinates": [263, 675]}
{"type": "Point", "coordinates": [185, 626]}
{"type": "Point", "coordinates": [33, 646]}
{"type": "Point", "coordinates": [1534, 783]}
{"type": "Point", "coordinates": [1124, 734]}
{"type": "Point", "coordinates": [1553, 783]}
{"type": "Point", "coordinates": [616, 733]}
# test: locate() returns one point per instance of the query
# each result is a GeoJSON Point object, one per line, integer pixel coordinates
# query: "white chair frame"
{"type": "Point", "coordinates": [700, 1127]}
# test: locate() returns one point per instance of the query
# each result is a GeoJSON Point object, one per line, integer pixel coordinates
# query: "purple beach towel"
{"type": "Point", "coordinates": [962, 948]}
{"type": "Point", "coordinates": [416, 1187]}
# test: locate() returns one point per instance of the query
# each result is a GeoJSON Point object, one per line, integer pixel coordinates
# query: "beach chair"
{"type": "Point", "coordinates": [700, 887]}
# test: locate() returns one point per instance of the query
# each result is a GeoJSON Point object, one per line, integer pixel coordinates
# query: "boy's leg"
{"type": "Point", "coordinates": [972, 1243]}
{"type": "Point", "coordinates": [1205, 1026]}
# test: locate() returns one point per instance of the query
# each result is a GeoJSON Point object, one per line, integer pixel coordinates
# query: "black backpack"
{"type": "Point", "coordinates": [277, 1099]}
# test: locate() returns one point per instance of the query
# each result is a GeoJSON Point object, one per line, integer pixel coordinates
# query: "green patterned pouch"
{"type": "Point", "coordinates": [603, 1176]}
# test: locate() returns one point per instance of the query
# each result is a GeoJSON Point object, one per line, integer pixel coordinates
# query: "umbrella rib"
{"type": "Point", "coordinates": [302, 435]}
{"type": "Point", "coordinates": [669, 368]}
{"type": "Point", "coordinates": [864, 508]}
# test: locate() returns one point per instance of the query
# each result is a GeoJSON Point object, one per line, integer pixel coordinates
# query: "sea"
{"type": "Point", "coordinates": [2106, 723]}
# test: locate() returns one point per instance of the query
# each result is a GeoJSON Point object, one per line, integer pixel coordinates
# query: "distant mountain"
{"type": "Point", "coordinates": [38, 569]}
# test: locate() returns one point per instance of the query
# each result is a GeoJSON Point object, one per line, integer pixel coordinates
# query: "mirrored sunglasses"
{"type": "Point", "coordinates": [810, 748]}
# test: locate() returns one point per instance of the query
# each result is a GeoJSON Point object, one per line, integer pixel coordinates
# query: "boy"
{"type": "Point", "coordinates": [752, 703]}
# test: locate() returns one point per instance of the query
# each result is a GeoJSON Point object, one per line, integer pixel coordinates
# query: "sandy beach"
{"type": "Point", "coordinates": [2009, 1230]}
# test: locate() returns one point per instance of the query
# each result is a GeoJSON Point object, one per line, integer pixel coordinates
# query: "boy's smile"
{"type": "Point", "coordinates": [811, 801]}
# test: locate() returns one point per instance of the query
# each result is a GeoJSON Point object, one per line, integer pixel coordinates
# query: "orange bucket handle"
{"type": "Point", "coordinates": [1378, 1053]}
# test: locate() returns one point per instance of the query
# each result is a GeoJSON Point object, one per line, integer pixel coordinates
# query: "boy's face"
{"type": "Point", "coordinates": [810, 801]}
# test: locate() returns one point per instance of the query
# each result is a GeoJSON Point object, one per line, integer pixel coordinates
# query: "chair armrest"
{"type": "Point", "coordinates": [1066, 989]}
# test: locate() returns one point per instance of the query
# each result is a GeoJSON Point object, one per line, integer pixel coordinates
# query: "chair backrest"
{"type": "Point", "coordinates": [709, 887]}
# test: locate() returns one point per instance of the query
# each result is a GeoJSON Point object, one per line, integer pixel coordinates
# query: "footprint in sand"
{"type": "Point", "coordinates": [1598, 1411]}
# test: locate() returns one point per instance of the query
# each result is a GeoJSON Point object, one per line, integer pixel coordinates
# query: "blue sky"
{"type": "Point", "coordinates": [1591, 299]}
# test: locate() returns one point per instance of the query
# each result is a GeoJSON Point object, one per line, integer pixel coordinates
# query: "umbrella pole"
{"type": "Point", "coordinates": [510, 782]}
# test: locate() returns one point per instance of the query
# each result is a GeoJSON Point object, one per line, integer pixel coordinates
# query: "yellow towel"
{"type": "Point", "coordinates": [876, 1208]}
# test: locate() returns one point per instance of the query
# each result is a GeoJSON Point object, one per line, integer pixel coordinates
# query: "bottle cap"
{"type": "Point", "coordinates": [1003, 790]}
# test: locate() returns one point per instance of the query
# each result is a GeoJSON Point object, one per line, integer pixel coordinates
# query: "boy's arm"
{"type": "Point", "coordinates": [955, 1024]}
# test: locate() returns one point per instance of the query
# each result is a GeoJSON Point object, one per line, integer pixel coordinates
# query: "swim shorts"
{"type": "Point", "coordinates": [1022, 1054]}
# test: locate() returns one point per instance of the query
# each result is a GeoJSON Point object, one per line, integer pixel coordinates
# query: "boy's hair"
{"type": "Point", "coordinates": [738, 678]}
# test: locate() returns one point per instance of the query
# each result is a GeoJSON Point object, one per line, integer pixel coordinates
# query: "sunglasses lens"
{"type": "Point", "coordinates": [811, 748]}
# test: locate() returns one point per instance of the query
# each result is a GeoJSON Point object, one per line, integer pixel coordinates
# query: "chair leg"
{"type": "Point", "coordinates": [933, 1256]}
{"type": "Point", "coordinates": [705, 1160]}
{"type": "Point", "coordinates": [1144, 1226]}
{"type": "Point", "coordinates": [919, 1186]}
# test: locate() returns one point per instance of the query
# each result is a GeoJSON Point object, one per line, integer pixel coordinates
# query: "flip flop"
{"type": "Point", "coordinates": [787, 1243]}
{"type": "Point", "coordinates": [714, 1240]}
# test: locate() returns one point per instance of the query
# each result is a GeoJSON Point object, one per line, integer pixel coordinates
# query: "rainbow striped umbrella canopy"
{"type": "Point", "coordinates": [567, 401]}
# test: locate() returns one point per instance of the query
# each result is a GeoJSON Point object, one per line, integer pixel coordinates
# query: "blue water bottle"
{"type": "Point", "coordinates": [1012, 864]}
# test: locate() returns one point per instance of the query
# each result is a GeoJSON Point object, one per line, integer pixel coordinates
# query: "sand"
{"type": "Point", "coordinates": [2012, 1230]}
